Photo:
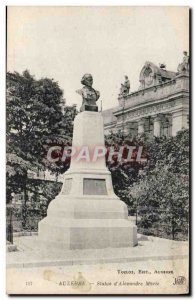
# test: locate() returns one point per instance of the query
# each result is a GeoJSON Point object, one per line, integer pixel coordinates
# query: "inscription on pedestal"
{"type": "Point", "coordinates": [90, 107]}
{"type": "Point", "coordinates": [94, 186]}
{"type": "Point", "coordinates": [67, 186]}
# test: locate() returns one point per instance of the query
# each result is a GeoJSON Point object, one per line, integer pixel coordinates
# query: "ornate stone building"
{"type": "Point", "coordinates": [159, 107]}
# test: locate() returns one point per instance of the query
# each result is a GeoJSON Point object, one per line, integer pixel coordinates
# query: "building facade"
{"type": "Point", "coordinates": [159, 107]}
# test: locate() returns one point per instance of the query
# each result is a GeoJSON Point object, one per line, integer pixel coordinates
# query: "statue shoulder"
{"type": "Point", "coordinates": [98, 94]}
{"type": "Point", "coordinates": [80, 92]}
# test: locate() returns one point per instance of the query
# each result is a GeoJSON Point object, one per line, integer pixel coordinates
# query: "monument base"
{"type": "Point", "coordinates": [86, 224]}
{"type": "Point", "coordinates": [87, 214]}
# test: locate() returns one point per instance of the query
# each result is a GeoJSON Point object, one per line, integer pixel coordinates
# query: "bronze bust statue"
{"type": "Point", "coordinates": [89, 94]}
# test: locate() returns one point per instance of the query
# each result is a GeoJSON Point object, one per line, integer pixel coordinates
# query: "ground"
{"type": "Point", "coordinates": [154, 266]}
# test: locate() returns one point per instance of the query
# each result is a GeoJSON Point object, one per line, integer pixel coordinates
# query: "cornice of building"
{"type": "Point", "coordinates": [170, 98]}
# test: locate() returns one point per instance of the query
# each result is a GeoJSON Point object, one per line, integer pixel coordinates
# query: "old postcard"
{"type": "Point", "coordinates": [97, 150]}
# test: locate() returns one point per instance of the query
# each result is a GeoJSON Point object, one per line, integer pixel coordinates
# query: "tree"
{"type": "Point", "coordinates": [158, 190]}
{"type": "Point", "coordinates": [124, 173]}
{"type": "Point", "coordinates": [34, 121]}
{"type": "Point", "coordinates": [163, 193]}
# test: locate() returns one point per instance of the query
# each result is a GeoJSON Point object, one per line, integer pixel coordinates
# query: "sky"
{"type": "Point", "coordinates": [64, 43]}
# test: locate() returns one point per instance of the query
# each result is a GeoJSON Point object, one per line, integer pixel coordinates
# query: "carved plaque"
{"type": "Point", "coordinates": [67, 186]}
{"type": "Point", "coordinates": [94, 186]}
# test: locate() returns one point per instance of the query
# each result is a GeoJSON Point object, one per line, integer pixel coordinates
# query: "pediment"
{"type": "Point", "coordinates": [152, 75]}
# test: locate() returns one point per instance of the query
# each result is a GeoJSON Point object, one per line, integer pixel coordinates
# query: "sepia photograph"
{"type": "Point", "coordinates": [98, 150]}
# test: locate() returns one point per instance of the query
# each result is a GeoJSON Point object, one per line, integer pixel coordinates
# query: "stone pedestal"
{"type": "Point", "coordinates": [87, 214]}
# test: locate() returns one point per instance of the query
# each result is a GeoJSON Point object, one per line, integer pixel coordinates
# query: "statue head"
{"type": "Point", "coordinates": [87, 80]}
{"type": "Point", "coordinates": [126, 77]}
{"type": "Point", "coordinates": [185, 53]}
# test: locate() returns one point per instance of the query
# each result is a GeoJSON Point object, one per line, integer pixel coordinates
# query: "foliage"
{"type": "Point", "coordinates": [40, 195]}
{"type": "Point", "coordinates": [124, 173]}
{"type": "Point", "coordinates": [35, 121]}
{"type": "Point", "coordinates": [163, 193]}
